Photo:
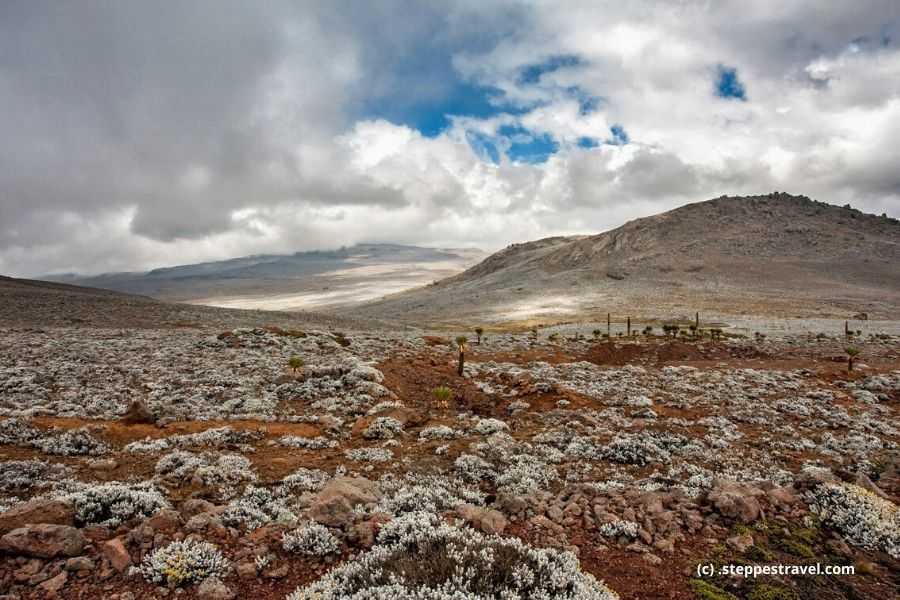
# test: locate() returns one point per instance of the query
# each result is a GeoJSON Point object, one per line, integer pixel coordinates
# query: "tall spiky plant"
{"type": "Point", "coordinates": [461, 344]}
{"type": "Point", "coordinates": [478, 332]}
{"type": "Point", "coordinates": [852, 353]}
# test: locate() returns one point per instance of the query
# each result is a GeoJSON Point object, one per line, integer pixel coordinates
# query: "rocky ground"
{"type": "Point", "coordinates": [198, 462]}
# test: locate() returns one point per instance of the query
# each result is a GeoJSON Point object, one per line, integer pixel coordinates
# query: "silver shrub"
{"type": "Point", "coordinates": [186, 561]}
{"type": "Point", "coordinates": [111, 503]}
{"type": "Point", "coordinates": [312, 539]}
{"type": "Point", "coordinates": [419, 557]}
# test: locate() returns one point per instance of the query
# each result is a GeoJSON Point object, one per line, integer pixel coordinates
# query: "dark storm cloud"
{"type": "Point", "coordinates": [136, 134]}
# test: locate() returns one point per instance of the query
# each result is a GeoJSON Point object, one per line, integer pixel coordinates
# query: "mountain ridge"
{"type": "Point", "coordinates": [731, 253]}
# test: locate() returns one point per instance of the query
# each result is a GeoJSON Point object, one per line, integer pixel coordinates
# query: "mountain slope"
{"type": "Point", "coordinates": [31, 303]}
{"type": "Point", "coordinates": [291, 281]}
{"type": "Point", "coordinates": [772, 254]}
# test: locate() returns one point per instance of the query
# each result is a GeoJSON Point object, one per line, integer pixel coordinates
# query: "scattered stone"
{"type": "Point", "coordinates": [212, 588]}
{"type": "Point", "coordinates": [488, 520]}
{"type": "Point", "coordinates": [44, 541]}
{"type": "Point", "coordinates": [35, 512]}
{"type": "Point", "coordinates": [115, 552]}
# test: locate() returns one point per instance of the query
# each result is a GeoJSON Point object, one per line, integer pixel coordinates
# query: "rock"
{"type": "Point", "coordinates": [138, 414]}
{"type": "Point", "coordinates": [212, 588]}
{"type": "Point", "coordinates": [246, 570]}
{"type": "Point", "coordinates": [333, 505]}
{"type": "Point", "coordinates": [44, 541]}
{"type": "Point", "coordinates": [277, 572]}
{"type": "Point", "coordinates": [195, 506]}
{"type": "Point", "coordinates": [555, 513]}
{"type": "Point", "coordinates": [54, 584]}
{"type": "Point", "coordinates": [204, 521]}
{"type": "Point", "coordinates": [114, 550]}
{"type": "Point", "coordinates": [166, 521]}
{"type": "Point", "coordinates": [740, 543]}
{"type": "Point", "coordinates": [487, 520]}
{"type": "Point", "coordinates": [652, 559]}
{"type": "Point", "coordinates": [736, 501]}
{"type": "Point", "coordinates": [102, 464]}
{"type": "Point", "coordinates": [35, 512]}
{"type": "Point", "coordinates": [79, 563]}
{"type": "Point", "coordinates": [782, 496]}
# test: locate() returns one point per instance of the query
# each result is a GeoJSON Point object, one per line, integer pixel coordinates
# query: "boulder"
{"type": "Point", "coordinates": [138, 414]}
{"type": "Point", "coordinates": [334, 504]}
{"type": "Point", "coordinates": [53, 585]}
{"type": "Point", "coordinates": [736, 501]}
{"type": "Point", "coordinates": [35, 512]}
{"type": "Point", "coordinates": [166, 521]}
{"type": "Point", "coordinates": [117, 554]}
{"type": "Point", "coordinates": [487, 520]}
{"type": "Point", "coordinates": [44, 541]}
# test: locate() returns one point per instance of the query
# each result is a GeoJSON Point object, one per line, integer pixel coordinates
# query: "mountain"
{"type": "Point", "coordinates": [775, 254]}
{"type": "Point", "coordinates": [303, 280]}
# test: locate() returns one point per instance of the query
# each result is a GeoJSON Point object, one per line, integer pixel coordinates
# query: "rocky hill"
{"type": "Point", "coordinates": [32, 303]}
{"type": "Point", "coordinates": [775, 254]}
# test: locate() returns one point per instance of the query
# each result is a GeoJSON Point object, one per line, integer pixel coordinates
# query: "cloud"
{"type": "Point", "coordinates": [136, 135]}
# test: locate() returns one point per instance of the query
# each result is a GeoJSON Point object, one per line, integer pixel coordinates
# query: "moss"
{"type": "Point", "coordinates": [708, 591]}
{"type": "Point", "coordinates": [771, 592]}
{"type": "Point", "coordinates": [740, 529]}
{"type": "Point", "coordinates": [796, 548]}
{"type": "Point", "coordinates": [759, 554]}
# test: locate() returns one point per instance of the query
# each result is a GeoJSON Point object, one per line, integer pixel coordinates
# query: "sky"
{"type": "Point", "coordinates": [142, 134]}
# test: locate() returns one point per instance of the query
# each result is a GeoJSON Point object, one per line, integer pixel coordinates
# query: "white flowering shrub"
{"type": "Point", "coordinates": [112, 503]}
{"type": "Point", "coordinates": [219, 437]}
{"type": "Point", "coordinates": [419, 557]}
{"type": "Point", "coordinates": [862, 517]}
{"type": "Point", "coordinates": [369, 454]}
{"type": "Point", "coordinates": [311, 539]}
{"type": "Point", "coordinates": [255, 508]}
{"type": "Point", "coordinates": [524, 475]}
{"type": "Point", "coordinates": [383, 428]}
{"type": "Point", "coordinates": [489, 426]}
{"type": "Point", "coordinates": [208, 468]}
{"type": "Point", "coordinates": [635, 449]}
{"type": "Point", "coordinates": [619, 528]}
{"type": "Point", "coordinates": [439, 432]}
{"type": "Point", "coordinates": [474, 468]}
{"type": "Point", "coordinates": [59, 442]}
{"type": "Point", "coordinates": [419, 492]}
{"type": "Point", "coordinates": [186, 561]}
{"type": "Point", "coordinates": [304, 480]}
{"type": "Point", "coordinates": [15, 432]}
{"type": "Point", "coordinates": [75, 442]}
{"type": "Point", "coordinates": [18, 476]}
{"type": "Point", "coordinates": [316, 443]}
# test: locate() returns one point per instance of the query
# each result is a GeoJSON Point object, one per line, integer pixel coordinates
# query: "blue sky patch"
{"type": "Point", "coordinates": [618, 136]}
{"type": "Point", "coordinates": [526, 146]}
{"type": "Point", "coordinates": [588, 142]}
{"type": "Point", "coordinates": [533, 73]}
{"type": "Point", "coordinates": [431, 117]}
{"type": "Point", "coordinates": [728, 85]}
{"type": "Point", "coordinates": [484, 146]}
